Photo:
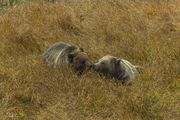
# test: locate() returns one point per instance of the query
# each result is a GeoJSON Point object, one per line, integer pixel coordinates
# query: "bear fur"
{"type": "Point", "coordinates": [117, 68]}
{"type": "Point", "coordinates": [67, 56]}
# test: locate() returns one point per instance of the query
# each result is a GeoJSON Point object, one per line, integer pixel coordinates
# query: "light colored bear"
{"type": "Point", "coordinates": [67, 56]}
{"type": "Point", "coordinates": [117, 68]}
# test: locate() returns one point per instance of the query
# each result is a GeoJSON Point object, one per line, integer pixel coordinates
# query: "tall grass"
{"type": "Point", "coordinates": [144, 32]}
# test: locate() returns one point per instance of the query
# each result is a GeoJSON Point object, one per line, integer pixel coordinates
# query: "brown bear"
{"type": "Point", "coordinates": [117, 68]}
{"type": "Point", "coordinates": [66, 55]}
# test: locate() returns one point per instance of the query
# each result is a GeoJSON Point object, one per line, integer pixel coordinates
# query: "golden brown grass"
{"type": "Point", "coordinates": [145, 33]}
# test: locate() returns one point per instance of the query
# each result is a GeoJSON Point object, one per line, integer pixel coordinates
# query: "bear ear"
{"type": "Point", "coordinates": [81, 49]}
{"type": "Point", "coordinates": [113, 60]}
{"type": "Point", "coordinates": [118, 61]}
{"type": "Point", "coordinates": [70, 58]}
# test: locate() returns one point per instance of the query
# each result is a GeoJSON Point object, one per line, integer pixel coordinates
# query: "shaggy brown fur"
{"type": "Point", "coordinates": [66, 55]}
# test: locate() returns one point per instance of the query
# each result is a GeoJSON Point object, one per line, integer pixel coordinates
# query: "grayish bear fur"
{"type": "Point", "coordinates": [66, 55]}
{"type": "Point", "coordinates": [117, 68]}
{"type": "Point", "coordinates": [57, 55]}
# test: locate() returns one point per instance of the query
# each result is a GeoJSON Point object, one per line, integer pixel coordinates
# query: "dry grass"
{"type": "Point", "coordinates": [146, 33]}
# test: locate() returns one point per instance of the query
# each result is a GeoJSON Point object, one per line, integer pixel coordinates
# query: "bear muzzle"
{"type": "Point", "coordinates": [89, 65]}
{"type": "Point", "coordinates": [95, 67]}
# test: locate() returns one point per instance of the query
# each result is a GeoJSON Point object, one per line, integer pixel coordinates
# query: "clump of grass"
{"type": "Point", "coordinates": [145, 33]}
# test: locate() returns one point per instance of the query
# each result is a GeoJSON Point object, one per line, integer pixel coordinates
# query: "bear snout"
{"type": "Point", "coordinates": [95, 67]}
{"type": "Point", "coordinates": [89, 65]}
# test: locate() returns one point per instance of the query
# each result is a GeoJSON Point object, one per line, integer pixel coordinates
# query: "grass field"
{"type": "Point", "coordinates": [144, 32]}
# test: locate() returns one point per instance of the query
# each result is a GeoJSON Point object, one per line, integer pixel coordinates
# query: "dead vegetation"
{"type": "Point", "coordinates": [146, 33]}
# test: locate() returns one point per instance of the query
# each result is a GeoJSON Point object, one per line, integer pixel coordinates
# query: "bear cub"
{"type": "Point", "coordinates": [117, 68]}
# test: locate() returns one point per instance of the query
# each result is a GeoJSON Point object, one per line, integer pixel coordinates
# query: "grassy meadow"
{"type": "Point", "coordinates": [145, 32]}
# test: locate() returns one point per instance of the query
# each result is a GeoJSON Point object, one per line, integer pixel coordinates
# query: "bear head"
{"type": "Point", "coordinates": [108, 65]}
{"type": "Point", "coordinates": [79, 61]}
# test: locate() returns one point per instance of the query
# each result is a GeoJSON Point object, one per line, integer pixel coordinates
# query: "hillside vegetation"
{"type": "Point", "coordinates": [145, 32]}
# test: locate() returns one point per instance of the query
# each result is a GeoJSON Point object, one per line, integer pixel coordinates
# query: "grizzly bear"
{"type": "Point", "coordinates": [67, 56]}
{"type": "Point", "coordinates": [117, 68]}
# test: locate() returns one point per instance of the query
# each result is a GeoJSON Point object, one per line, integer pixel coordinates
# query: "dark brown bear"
{"type": "Point", "coordinates": [69, 56]}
